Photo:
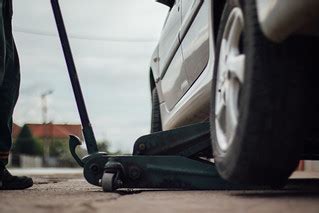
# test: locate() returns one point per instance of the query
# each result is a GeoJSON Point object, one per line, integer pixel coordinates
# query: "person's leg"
{"type": "Point", "coordinates": [9, 89]}
{"type": "Point", "coordinates": [8, 95]}
{"type": "Point", "coordinates": [2, 44]}
{"type": "Point", "coordinates": [9, 92]}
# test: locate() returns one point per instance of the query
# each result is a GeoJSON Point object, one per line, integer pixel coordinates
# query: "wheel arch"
{"type": "Point", "coordinates": [152, 80]}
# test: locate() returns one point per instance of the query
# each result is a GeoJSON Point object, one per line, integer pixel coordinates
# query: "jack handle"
{"type": "Point", "coordinates": [87, 127]}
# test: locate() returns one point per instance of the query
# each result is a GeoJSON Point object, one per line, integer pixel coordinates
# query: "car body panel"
{"type": "Point", "coordinates": [175, 83]}
{"type": "Point", "coordinates": [281, 18]}
{"type": "Point", "coordinates": [167, 51]}
{"type": "Point", "coordinates": [193, 106]}
{"type": "Point", "coordinates": [186, 18]}
{"type": "Point", "coordinates": [195, 45]}
{"type": "Point", "coordinates": [169, 40]}
{"type": "Point", "coordinates": [171, 63]}
{"type": "Point", "coordinates": [188, 101]}
{"type": "Point", "coordinates": [190, 9]}
{"type": "Point", "coordinates": [155, 65]}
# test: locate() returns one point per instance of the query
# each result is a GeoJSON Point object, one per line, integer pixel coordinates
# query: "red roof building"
{"type": "Point", "coordinates": [56, 131]}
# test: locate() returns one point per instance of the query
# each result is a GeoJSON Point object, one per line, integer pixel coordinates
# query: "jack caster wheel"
{"type": "Point", "coordinates": [108, 182]}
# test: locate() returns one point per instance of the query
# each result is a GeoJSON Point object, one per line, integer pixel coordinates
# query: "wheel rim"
{"type": "Point", "coordinates": [230, 78]}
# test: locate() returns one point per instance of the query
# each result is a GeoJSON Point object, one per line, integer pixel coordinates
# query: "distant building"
{"type": "Point", "coordinates": [55, 131]}
{"type": "Point", "coordinates": [51, 131]}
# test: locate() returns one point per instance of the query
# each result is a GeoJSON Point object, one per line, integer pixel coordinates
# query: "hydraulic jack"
{"type": "Point", "coordinates": [175, 159]}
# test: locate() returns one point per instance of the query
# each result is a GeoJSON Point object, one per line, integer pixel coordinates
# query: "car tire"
{"type": "Point", "coordinates": [263, 145]}
{"type": "Point", "coordinates": [156, 122]}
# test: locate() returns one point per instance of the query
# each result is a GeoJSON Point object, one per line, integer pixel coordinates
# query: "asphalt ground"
{"type": "Point", "coordinates": [67, 191]}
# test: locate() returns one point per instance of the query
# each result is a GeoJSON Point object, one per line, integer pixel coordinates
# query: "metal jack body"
{"type": "Point", "coordinates": [168, 159]}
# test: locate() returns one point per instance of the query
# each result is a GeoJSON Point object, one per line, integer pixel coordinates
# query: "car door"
{"type": "Point", "coordinates": [173, 79]}
{"type": "Point", "coordinates": [194, 37]}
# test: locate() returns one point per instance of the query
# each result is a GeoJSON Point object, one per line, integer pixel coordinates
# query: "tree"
{"type": "Point", "coordinates": [104, 146]}
{"type": "Point", "coordinates": [27, 144]}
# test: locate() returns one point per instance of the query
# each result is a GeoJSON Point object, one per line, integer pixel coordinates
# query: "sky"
{"type": "Point", "coordinates": [112, 43]}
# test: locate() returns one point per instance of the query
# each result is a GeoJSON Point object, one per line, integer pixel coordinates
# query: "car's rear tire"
{"type": "Point", "coordinates": [156, 122]}
{"type": "Point", "coordinates": [259, 141]}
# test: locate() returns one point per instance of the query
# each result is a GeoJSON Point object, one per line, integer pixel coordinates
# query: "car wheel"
{"type": "Point", "coordinates": [257, 101]}
{"type": "Point", "coordinates": [156, 123]}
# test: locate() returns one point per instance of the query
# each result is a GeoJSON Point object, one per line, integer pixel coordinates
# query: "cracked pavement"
{"type": "Point", "coordinates": [70, 193]}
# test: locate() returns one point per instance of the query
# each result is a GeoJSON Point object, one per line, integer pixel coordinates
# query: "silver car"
{"type": "Point", "coordinates": [245, 66]}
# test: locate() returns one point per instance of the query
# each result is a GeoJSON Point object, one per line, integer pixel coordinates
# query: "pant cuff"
{"type": "Point", "coordinates": [4, 156]}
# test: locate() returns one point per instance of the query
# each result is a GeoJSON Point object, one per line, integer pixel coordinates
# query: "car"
{"type": "Point", "coordinates": [247, 67]}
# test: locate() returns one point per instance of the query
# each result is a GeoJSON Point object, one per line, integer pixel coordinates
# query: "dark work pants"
{"type": "Point", "coordinates": [9, 79]}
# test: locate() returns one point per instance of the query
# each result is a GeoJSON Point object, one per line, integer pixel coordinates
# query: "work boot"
{"type": "Point", "coordinates": [10, 182]}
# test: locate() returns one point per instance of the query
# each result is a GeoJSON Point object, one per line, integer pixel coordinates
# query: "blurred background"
{"type": "Point", "coordinates": [112, 43]}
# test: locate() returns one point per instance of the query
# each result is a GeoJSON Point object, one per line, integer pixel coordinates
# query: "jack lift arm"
{"type": "Point", "coordinates": [166, 160]}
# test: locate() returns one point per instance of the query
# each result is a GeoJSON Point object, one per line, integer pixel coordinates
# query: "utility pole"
{"type": "Point", "coordinates": [46, 143]}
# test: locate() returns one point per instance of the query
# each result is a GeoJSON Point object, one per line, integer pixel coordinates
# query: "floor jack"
{"type": "Point", "coordinates": [165, 160]}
